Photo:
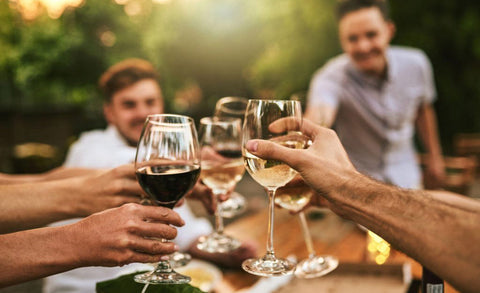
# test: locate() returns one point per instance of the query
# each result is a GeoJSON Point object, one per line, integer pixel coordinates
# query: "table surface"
{"type": "Point", "coordinates": [331, 235]}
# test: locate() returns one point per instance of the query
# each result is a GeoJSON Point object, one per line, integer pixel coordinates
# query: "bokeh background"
{"type": "Point", "coordinates": [53, 51]}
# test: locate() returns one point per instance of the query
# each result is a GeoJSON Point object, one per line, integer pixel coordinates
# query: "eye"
{"type": "Point", "coordinates": [352, 39]}
{"type": "Point", "coordinates": [371, 34]}
{"type": "Point", "coordinates": [128, 105]}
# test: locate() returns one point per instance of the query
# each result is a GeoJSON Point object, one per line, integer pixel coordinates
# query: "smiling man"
{"type": "Point", "coordinates": [375, 94]}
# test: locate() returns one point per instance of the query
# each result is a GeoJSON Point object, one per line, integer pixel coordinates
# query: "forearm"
{"type": "Point", "coordinates": [34, 254]}
{"type": "Point", "coordinates": [34, 205]}
{"type": "Point", "coordinates": [440, 234]}
{"type": "Point", "coordinates": [428, 130]}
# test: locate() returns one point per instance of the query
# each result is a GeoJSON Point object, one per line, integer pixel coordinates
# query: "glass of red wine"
{"type": "Point", "coordinates": [167, 166]}
{"type": "Point", "coordinates": [222, 168]}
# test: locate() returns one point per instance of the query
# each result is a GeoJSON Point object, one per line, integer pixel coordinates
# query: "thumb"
{"type": "Point", "coordinates": [270, 150]}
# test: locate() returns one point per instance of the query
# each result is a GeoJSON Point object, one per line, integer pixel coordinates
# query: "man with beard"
{"type": "Point", "coordinates": [132, 92]}
{"type": "Point", "coordinates": [374, 94]}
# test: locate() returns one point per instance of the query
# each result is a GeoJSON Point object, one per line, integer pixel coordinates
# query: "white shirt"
{"type": "Point", "coordinates": [107, 149]}
{"type": "Point", "coordinates": [375, 118]}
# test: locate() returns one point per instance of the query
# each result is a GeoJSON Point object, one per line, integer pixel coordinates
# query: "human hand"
{"type": "Point", "coordinates": [106, 189]}
{"type": "Point", "coordinates": [434, 175]}
{"type": "Point", "coordinates": [205, 195]}
{"type": "Point", "coordinates": [324, 166]}
{"type": "Point", "coordinates": [123, 235]}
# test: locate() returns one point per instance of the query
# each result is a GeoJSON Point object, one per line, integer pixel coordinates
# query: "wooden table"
{"type": "Point", "coordinates": [342, 239]}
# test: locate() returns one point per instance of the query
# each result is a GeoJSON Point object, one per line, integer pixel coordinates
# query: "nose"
{"type": "Point", "coordinates": [142, 111]}
{"type": "Point", "coordinates": [363, 45]}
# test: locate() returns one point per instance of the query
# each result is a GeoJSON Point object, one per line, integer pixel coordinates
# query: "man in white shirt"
{"type": "Point", "coordinates": [132, 92]}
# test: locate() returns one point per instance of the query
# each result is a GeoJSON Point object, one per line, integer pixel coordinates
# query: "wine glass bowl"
{"type": "Point", "coordinates": [294, 197]}
{"type": "Point", "coordinates": [167, 165]}
{"type": "Point", "coordinates": [278, 121]}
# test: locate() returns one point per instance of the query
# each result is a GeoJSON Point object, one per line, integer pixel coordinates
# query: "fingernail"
{"type": "Point", "coordinates": [252, 146]}
{"type": "Point", "coordinates": [176, 247]}
{"type": "Point", "coordinates": [165, 257]}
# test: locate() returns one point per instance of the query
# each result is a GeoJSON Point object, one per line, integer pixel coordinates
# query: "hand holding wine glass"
{"type": "Point", "coordinates": [278, 121]}
{"type": "Point", "coordinates": [167, 165]}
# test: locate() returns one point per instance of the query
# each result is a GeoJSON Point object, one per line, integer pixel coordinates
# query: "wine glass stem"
{"type": "Point", "coordinates": [163, 267]}
{"type": "Point", "coordinates": [306, 234]}
{"type": "Point", "coordinates": [271, 215]}
{"type": "Point", "coordinates": [218, 213]}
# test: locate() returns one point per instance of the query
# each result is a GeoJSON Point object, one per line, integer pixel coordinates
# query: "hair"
{"type": "Point", "coordinates": [346, 6]}
{"type": "Point", "coordinates": [124, 74]}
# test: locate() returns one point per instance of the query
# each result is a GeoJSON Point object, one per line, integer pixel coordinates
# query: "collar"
{"type": "Point", "coordinates": [373, 80]}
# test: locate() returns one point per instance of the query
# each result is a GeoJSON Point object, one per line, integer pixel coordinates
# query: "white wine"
{"type": "Point", "coordinates": [222, 176]}
{"type": "Point", "coordinates": [269, 173]}
{"type": "Point", "coordinates": [272, 173]}
{"type": "Point", "coordinates": [293, 198]}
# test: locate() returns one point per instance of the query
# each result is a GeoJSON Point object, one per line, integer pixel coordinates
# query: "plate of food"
{"type": "Point", "coordinates": [204, 275]}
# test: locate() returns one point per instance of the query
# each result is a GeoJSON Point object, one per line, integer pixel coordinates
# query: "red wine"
{"type": "Point", "coordinates": [167, 184]}
{"type": "Point", "coordinates": [230, 153]}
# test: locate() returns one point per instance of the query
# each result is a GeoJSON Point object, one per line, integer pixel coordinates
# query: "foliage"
{"type": "Point", "coordinates": [448, 32]}
{"type": "Point", "coordinates": [206, 49]}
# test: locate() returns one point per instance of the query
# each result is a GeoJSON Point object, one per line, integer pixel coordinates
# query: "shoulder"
{"type": "Point", "coordinates": [333, 69]}
{"type": "Point", "coordinates": [409, 55]}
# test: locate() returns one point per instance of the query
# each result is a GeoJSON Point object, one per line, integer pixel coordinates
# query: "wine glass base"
{"type": "Point", "coordinates": [162, 278]}
{"type": "Point", "coordinates": [218, 243]}
{"type": "Point", "coordinates": [267, 268]}
{"type": "Point", "coordinates": [233, 206]}
{"type": "Point", "coordinates": [316, 266]}
{"type": "Point", "coordinates": [179, 259]}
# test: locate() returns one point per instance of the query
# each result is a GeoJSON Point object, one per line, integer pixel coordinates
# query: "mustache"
{"type": "Point", "coordinates": [373, 52]}
{"type": "Point", "coordinates": [137, 122]}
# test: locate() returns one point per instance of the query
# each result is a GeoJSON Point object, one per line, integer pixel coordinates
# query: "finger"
{"type": "Point", "coordinates": [153, 246]}
{"type": "Point", "coordinates": [125, 171]}
{"type": "Point", "coordinates": [156, 230]}
{"type": "Point", "coordinates": [285, 124]}
{"type": "Point", "coordinates": [157, 214]}
{"type": "Point", "coordinates": [270, 150]}
{"type": "Point", "coordinates": [141, 257]}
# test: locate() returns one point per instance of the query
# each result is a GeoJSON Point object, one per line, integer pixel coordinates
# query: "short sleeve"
{"type": "Point", "coordinates": [325, 86]}
{"type": "Point", "coordinates": [429, 90]}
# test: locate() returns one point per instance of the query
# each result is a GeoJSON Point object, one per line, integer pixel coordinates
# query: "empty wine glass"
{"type": "Point", "coordinates": [167, 166]}
{"type": "Point", "coordinates": [222, 167]}
{"type": "Point", "coordinates": [280, 122]}
{"type": "Point", "coordinates": [294, 197]}
{"type": "Point", "coordinates": [232, 107]}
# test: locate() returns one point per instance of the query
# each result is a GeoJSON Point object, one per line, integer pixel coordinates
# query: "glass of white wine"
{"type": "Point", "coordinates": [222, 167]}
{"type": "Point", "coordinates": [278, 121]}
{"type": "Point", "coordinates": [232, 107]}
{"type": "Point", "coordinates": [294, 197]}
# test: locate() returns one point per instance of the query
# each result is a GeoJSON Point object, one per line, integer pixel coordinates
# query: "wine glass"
{"type": "Point", "coordinates": [271, 174]}
{"type": "Point", "coordinates": [294, 197]}
{"type": "Point", "coordinates": [232, 107]}
{"type": "Point", "coordinates": [222, 167]}
{"type": "Point", "coordinates": [167, 166]}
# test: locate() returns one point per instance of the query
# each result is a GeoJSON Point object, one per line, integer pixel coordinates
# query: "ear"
{"type": "Point", "coordinates": [392, 29]}
{"type": "Point", "coordinates": [107, 112]}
